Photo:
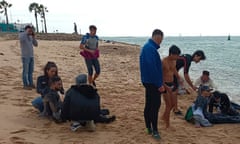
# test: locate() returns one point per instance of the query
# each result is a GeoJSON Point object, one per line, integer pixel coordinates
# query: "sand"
{"type": "Point", "coordinates": [119, 87]}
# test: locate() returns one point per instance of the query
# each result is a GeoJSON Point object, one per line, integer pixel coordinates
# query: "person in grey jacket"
{"type": "Point", "coordinates": [27, 41]}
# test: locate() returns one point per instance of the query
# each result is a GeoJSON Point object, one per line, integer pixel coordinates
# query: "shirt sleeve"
{"type": "Point", "coordinates": [197, 82]}
{"type": "Point", "coordinates": [84, 39]}
{"type": "Point", "coordinates": [34, 42]}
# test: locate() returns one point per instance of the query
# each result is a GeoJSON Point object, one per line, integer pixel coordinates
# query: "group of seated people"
{"type": "Point", "coordinates": [80, 105]}
{"type": "Point", "coordinates": [211, 106]}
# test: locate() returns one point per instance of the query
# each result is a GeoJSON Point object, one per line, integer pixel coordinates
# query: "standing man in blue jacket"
{"type": "Point", "coordinates": [27, 41]}
{"type": "Point", "coordinates": [152, 79]}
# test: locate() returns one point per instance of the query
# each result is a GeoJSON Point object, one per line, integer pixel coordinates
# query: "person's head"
{"type": "Point", "coordinates": [93, 30]}
{"type": "Point", "coordinates": [198, 56]}
{"type": "Point", "coordinates": [50, 69]}
{"type": "Point", "coordinates": [205, 76]}
{"type": "Point", "coordinates": [174, 52]}
{"type": "Point", "coordinates": [157, 36]}
{"type": "Point", "coordinates": [205, 91]}
{"type": "Point", "coordinates": [217, 96]}
{"type": "Point", "coordinates": [81, 79]}
{"type": "Point", "coordinates": [55, 83]}
{"type": "Point", "coordinates": [29, 29]}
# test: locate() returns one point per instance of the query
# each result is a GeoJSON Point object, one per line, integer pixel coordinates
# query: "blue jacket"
{"type": "Point", "coordinates": [150, 64]}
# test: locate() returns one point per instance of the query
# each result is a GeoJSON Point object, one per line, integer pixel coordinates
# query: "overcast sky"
{"type": "Point", "coordinates": [135, 17]}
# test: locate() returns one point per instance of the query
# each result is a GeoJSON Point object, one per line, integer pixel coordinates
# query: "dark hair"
{"type": "Point", "coordinates": [27, 27]}
{"type": "Point", "coordinates": [92, 27]}
{"type": "Point", "coordinates": [54, 79]}
{"type": "Point", "coordinates": [48, 66]}
{"type": "Point", "coordinates": [157, 32]}
{"type": "Point", "coordinates": [174, 50]}
{"type": "Point", "coordinates": [216, 94]}
{"type": "Point", "coordinates": [205, 73]}
{"type": "Point", "coordinates": [199, 53]}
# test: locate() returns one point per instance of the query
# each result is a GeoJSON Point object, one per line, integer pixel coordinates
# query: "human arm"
{"type": "Point", "coordinates": [42, 85]}
{"type": "Point", "coordinates": [210, 105]}
{"type": "Point", "coordinates": [212, 85]}
{"type": "Point", "coordinates": [188, 80]}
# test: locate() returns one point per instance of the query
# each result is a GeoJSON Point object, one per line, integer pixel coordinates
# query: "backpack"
{"type": "Point", "coordinates": [189, 114]}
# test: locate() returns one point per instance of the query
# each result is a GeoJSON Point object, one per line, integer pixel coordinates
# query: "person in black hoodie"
{"type": "Point", "coordinates": [221, 101]}
{"type": "Point", "coordinates": [82, 105]}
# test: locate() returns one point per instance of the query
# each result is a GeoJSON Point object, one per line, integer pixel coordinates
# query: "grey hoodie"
{"type": "Point", "coordinates": [26, 44]}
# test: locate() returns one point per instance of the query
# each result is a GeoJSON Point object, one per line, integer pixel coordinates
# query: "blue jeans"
{"type": "Point", "coordinates": [27, 73]}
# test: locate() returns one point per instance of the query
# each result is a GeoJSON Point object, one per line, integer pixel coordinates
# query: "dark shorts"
{"type": "Point", "coordinates": [171, 85]}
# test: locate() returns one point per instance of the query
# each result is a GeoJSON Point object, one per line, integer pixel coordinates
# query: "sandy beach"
{"type": "Point", "coordinates": [121, 92]}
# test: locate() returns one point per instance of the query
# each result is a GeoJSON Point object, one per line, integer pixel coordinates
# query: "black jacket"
{"type": "Point", "coordinates": [224, 104]}
{"type": "Point", "coordinates": [81, 102]}
{"type": "Point", "coordinates": [43, 86]}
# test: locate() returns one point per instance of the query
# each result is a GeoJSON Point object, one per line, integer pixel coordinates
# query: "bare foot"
{"type": "Point", "coordinates": [197, 125]}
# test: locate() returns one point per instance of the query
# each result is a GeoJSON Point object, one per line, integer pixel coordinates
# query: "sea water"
{"type": "Point", "coordinates": [223, 58]}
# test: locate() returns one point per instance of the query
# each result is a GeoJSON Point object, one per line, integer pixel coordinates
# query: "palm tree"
{"type": "Point", "coordinates": [43, 10]}
{"type": "Point", "coordinates": [35, 7]}
{"type": "Point", "coordinates": [5, 5]}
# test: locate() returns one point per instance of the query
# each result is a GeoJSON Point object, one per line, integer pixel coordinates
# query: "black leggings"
{"type": "Point", "coordinates": [152, 105]}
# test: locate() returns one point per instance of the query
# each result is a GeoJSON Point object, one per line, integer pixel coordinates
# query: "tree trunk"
{"type": "Point", "coordinates": [36, 22]}
{"type": "Point", "coordinates": [45, 25]}
{"type": "Point", "coordinates": [6, 14]}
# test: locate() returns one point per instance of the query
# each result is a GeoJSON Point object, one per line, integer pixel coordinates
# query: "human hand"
{"type": "Point", "coordinates": [161, 89]}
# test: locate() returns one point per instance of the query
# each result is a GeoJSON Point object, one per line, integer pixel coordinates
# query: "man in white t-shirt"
{"type": "Point", "coordinates": [205, 80]}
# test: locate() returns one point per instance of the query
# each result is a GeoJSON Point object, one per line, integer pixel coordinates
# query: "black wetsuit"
{"type": "Point", "coordinates": [184, 61]}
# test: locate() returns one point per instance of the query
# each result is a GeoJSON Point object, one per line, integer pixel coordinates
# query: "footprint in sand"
{"type": "Point", "coordinates": [19, 140]}
{"type": "Point", "coordinates": [18, 131]}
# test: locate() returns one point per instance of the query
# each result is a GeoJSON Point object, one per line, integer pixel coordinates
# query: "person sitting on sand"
{"type": "Point", "coordinates": [169, 70]}
{"type": "Point", "coordinates": [205, 79]}
{"type": "Point", "coordinates": [53, 100]}
{"type": "Point", "coordinates": [43, 88]}
{"type": "Point", "coordinates": [200, 107]}
{"type": "Point", "coordinates": [82, 105]}
{"type": "Point", "coordinates": [222, 102]}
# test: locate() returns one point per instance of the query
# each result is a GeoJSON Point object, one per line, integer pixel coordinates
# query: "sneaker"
{"type": "Point", "coordinates": [156, 135]}
{"type": "Point", "coordinates": [90, 126]}
{"type": "Point", "coordinates": [74, 126]}
{"type": "Point", "coordinates": [149, 131]}
{"type": "Point", "coordinates": [27, 88]}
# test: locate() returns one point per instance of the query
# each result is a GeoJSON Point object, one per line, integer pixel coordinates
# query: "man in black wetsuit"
{"type": "Point", "coordinates": [184, 61]}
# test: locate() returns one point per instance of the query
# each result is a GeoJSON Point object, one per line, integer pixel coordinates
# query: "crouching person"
{"type": "Point", "coordinates": [51, 101]}
{"type": "Point", "coordinates": [81, 105]}
{"type": "Point", "coordinates": [200, 107]}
